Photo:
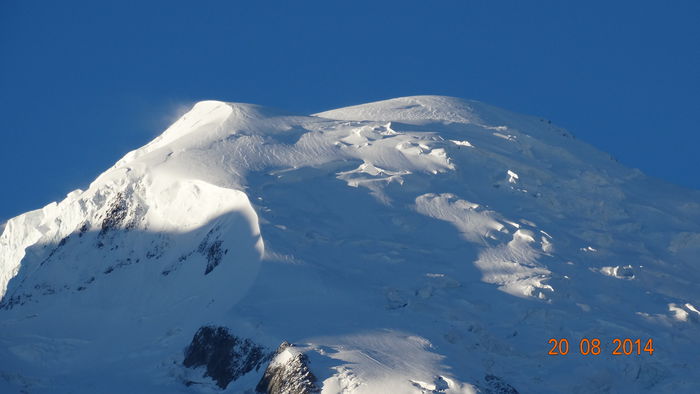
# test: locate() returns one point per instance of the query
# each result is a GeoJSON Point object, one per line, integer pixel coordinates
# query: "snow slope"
{"type": "Point", "coordinates": [417, 245]}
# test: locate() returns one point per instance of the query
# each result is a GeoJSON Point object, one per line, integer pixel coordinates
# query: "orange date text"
{"type": "Point", "coordinates": [592, 347]}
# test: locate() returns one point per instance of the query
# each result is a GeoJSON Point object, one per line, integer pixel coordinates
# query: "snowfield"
{"type": "Point", "coordinates": [417, 245]}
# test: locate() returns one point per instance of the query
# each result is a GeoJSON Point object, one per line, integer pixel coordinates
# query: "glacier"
{"type": "Point", "coordinates": [422, 244]}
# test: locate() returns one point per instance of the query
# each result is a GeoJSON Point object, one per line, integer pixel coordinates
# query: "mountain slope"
{"type": "Point", "coordinates": [421, 244]}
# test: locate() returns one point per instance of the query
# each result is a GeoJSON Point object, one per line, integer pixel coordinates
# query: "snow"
{"type": "Point", "coordinates": [512, 177]}
{"type": "Point", "coordinates": [619, 272]}
{"type": "Point", "coordinates": [382, 362]}
{"type": "Point", "coordinates": [462, 143]}
{"type": "Point", "coordinates": [422, 244]}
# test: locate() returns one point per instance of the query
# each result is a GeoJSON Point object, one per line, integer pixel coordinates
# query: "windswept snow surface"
{"type": "Point", "coordinates": [416, 245]}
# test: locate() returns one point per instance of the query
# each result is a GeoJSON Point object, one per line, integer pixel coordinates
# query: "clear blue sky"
{"type": "Point", "coordinates": [83, 82]}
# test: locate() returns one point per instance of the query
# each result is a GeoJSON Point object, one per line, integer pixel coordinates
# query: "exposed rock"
{"type": "Point", "coordinates": [288, 373]}
{"type": "Point", "coordinates": [225, 356]}
{"type": "Point", "coordinates": [116, 214]}
{"type": "Point", "coordinates": [212, 250]}
{"type": "Point", "coordinates": [496, 385]}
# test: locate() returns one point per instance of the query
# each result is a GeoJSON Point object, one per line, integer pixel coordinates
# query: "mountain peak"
{"type": "Point", "coordinates": [418, 244]}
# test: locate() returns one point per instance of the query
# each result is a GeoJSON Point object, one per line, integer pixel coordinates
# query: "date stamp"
{"type": "Point", "coordinates": [591, 347]}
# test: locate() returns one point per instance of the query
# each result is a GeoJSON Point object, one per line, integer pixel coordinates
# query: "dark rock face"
{"type": "Point", "coordinates": [289, 377]}
{"type": "Point", "coordinates": [116, 214]}
{"type": "Point", "coordinates": [213, 253]}
{"type": "Point", "coordinates": [211, 248]}
{"type": "Point", "coordinates": [225, 356]}
{"type": "Point", "coordinates": [496, 385]}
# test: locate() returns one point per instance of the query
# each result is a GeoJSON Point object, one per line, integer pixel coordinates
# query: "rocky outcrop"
{"type": "Point", "coordinates": [288, 373]}
{"type": "Point", "coordinates": [226, 357]}
{"type": "Point", "coordinates": [211, 248]}
{"type": "Point", "coordinates": [115, 215]}
{"type": "Point", "coordinates": [495, 385]}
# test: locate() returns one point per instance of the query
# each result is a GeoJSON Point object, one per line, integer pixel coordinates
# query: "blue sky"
{"type": "Point", "coordinates": [83, 82]}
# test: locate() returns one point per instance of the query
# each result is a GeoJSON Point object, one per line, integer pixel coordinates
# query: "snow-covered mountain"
{"type": "Point", "coordinates": [416, 245]}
